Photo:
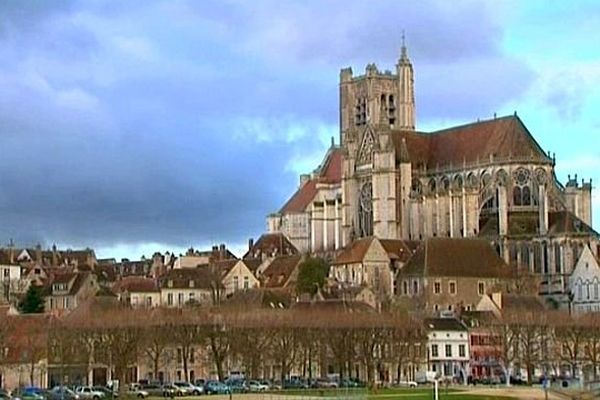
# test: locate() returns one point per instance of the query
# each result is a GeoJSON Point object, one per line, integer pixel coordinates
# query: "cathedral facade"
{"type": "Point", "coordinates": [488, 179]}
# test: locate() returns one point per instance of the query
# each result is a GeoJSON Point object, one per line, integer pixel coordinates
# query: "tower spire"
{"type": "Point", "coordinates": [406, 90]}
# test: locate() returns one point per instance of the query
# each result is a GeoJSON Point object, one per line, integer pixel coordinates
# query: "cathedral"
{"type": "Point", "coordinates": [488, 179]}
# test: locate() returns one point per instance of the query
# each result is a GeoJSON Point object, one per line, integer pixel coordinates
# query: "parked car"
{"type": "Point", "coordinates": [257, 386]}
{"type": "Point", "coordinates": [4, 395]}
{"type": "Point", "coordinates": [153, 389]}
{"type": "Point", "coordinates": [200, 382]}
{"type": "Point", "coordinates": [216, 387]}
{"type": "Point", "coordinates": [169, 390]}
{"type": "Point", "coordinates": [62, 393]}
{"type": "Point", "coordinates": [108, 393]}
{"type": "Point", "coordinates": [295, 384]}
{"type": "Point", "coordinates": [325, 383]}
{"type": "Point", "coordinates": [88, 393]}
{"type": "Point", "coordinates": [188, 389]}
{"type": "Point", "coordinates": [410, 384]}
{"type": "Point", "coordinates": [137, 391]}
{"type": "Point", "coordinates": [237, 386]}
{"type": "Point", "coordinates": [28, 393]}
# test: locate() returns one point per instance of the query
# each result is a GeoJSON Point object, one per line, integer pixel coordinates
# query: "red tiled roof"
{"type": "Point", "coordinates": [302, 198]}
{"type": "Point", "coordinates": [329, 172]}
{"type": "Point", "coordinates": [501, 138]}
{"type": "Point", "coordinates": [136, 284]}
{"type": "Point", "coordinates": [355, 252]}
{"type": "Point", "coordinates": [272, 244]}
{"type": "Point", "coordinates": [457, 258]}
{"type": "Point", "coordinates": [279, 272]}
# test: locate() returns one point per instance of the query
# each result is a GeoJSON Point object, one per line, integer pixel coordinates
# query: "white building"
{"type": "Point", "coordinates": [448, 348]}
{"type": "Point", "coordinates": [584, 283]}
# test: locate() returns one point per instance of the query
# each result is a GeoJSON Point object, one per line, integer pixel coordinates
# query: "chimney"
{"type": "Point", "coordinates": [250, 244]}
{"type": "Point", "coordinates": [54, 256]}
{"type": "Point", "coordinates": [222, 251]}
{"type": "Point", "coordinates": [38, 253]}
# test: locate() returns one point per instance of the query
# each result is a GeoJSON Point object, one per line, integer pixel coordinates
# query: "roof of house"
{"type": "Point", "coordinates": [398, 249]}
{"type": "Point", "coordinates": [498, 138]}
{"type": "Point", "coordinates": [260, 298]}
{"type": "Point", "coordinates": [136, 284]}
{"type": "Point", "coordinates": [521, 302]}
{"type": "Point", "coordinates": [329, 172]}
{"type": "Point", "coordinates": [280, 270]}
{"type": "Point", "coordinates": [205, 277]}
{"type": "Point", "coordinates": [354, 252]}
{"type": "Point", "coordinates": [271, 245]}
{"type": "Point", "coordinates": [444, 324]}
{"type": "Point", "coordinates": [6, 259]}
{"type": "Point", "coordinates": [457, 258]}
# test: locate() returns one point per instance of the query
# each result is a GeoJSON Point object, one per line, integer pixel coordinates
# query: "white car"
{"type": "Point", "coordinates": [256, 386]}
{"type": "Point", "coordinates": [88, 393]}
{"type": "Point", "coordinates": [410, 384]}
{"type": "Point", "coordinates": [188, 389]}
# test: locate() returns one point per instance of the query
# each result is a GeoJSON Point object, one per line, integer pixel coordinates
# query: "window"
{"type": "Point", "coordinates": [236, 284]}
{"type": "Point", "coordinates": [436, 307]}
{"type": "Point", "coordinates": [191, 297]}
{"type": "Point", "coordinates": [452, 287]}
{"type": "Point", "coordinates": [596, 291]}
{"type": "Point", "coordinates": [437, 287]}
{"type": "Point", "coordinates": [6, 273]}
{"type": "Point", "coordinates": [52, 303]}
{"type": "Point", "coordinates": [170, 299]}
{"type": "Point", "coordinates": [405, 288]}
{"type": "Point", "coordinates": [180, 299]}
{"type": "Point", "coordinates": [192, 355]}
{"type": "Point", "coordinates": [481, 288]}
{"type": "Point", "coordinates": [415, 287]}
{"type": "Point", "coordinates": [149, 301]}
{"type": "Point", "coordinates": [461, 350]}
{"type": "Point", "coordinates": [365, 210]}
{"type": "Point", "coordinates": [434, 350]}
{"type": "Point", "coordinates": [246, 282]}
{"type": "Point", "coordinates": [66, 303]}
{"type": "Point", "coordinates": [448, 350]}
{"type": "Point", "coordinates": [179, 356]}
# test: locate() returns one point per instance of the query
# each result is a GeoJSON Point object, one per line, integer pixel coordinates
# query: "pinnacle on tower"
{"type": "Point", "coordinates": [404, 157]}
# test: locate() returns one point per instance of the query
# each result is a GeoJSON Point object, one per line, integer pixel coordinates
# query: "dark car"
{"type": "Point", "coordinates": [295, 384]}
{"type": "Point", "coordinates": [216, 387]}
{"type": "Point", "coordinates": [62, 393]}
{"type": "Point", "coordinates": [237, 386]}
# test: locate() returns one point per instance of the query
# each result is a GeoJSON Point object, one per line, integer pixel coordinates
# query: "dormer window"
{"type": "Point", "coordinates": [59, 287]}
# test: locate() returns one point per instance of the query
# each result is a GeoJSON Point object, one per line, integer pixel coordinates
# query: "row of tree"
{"type": "Point", "coordinates": [294, 341]}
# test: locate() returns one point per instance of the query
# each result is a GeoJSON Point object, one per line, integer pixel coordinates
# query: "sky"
{"type": "Point", "coordinates": [139, 126]}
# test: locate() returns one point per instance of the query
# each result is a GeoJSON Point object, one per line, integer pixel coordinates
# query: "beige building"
{"type": "Point", "coordinates": [312, 217]}
{"type": "Point", "coordinates": [372, 263]}
{"type": "Point", "coordinates": [487, 179]}
{"type": "Point", "coordinates": [237, 275]}
{"type": "Point", "coordinates": [189, 286]}
{"type": "Point", "coordinates": [67, 290]}
{"type": "Point", "coordinates": [451, 274]}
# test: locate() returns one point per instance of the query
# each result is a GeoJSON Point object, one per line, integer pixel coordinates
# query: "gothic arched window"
{"type": "Point", "coordinates": [365, 210]}
{"type": "Point", "coordinates": [522, 195]}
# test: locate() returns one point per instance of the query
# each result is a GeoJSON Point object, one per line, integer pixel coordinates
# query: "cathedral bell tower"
{"type": "Point", "coordinates": [373, 105]}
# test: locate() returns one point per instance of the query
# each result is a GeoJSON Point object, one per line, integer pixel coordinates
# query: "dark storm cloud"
{"type": "Point", "coordinates": [176, 122]}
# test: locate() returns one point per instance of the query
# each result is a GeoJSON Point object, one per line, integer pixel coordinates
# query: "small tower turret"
{"type": "Point", "coordinates": [406, 90]}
